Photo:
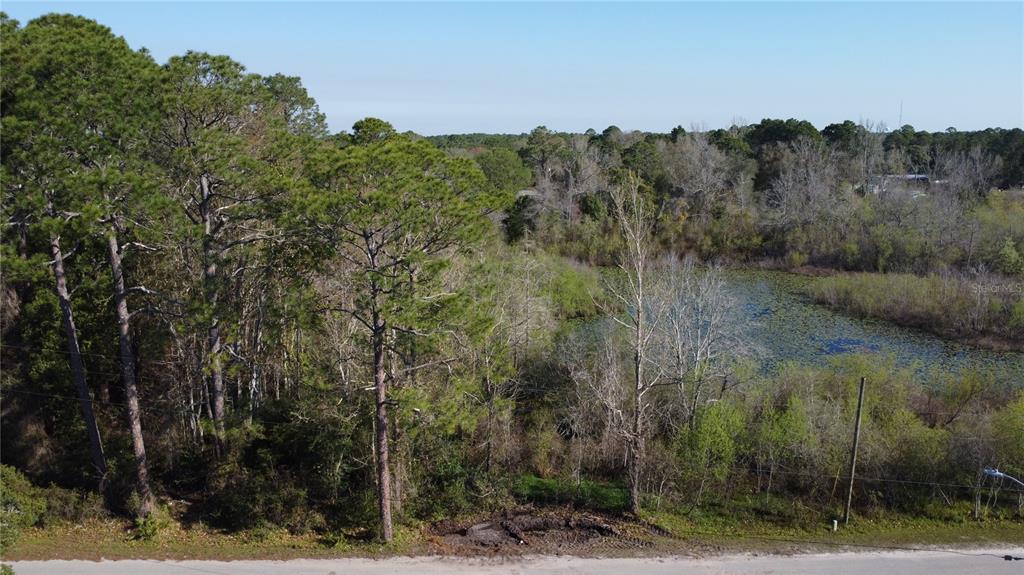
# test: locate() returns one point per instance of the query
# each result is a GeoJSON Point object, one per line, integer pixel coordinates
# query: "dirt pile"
{"type": "Point", "coordinates": [549, 531]}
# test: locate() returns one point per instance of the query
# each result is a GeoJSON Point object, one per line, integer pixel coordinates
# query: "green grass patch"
{"type": "Point", "coordinates": [776, 526]}
{"type": "Point", "coordinates": [115, 539]}
{"type": "Point", "coordinates": [784, 524]}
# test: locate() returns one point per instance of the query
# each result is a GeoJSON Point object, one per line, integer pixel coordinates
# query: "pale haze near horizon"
{"type": "Point", "coordinates": [437, 68]}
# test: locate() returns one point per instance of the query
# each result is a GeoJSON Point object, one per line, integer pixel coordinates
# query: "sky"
{"type": "Point", "coordinates": [437, 68]}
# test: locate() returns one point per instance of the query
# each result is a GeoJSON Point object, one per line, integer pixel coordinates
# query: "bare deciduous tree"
{"type": "Point", "coordinates": [872, 149]}
{"type": "Point", "coordinates": [968, 175]}
{"type": "Point", "coordinates": [703, 332]}
{"type": "Point", "coordinates": [804, 191]}
{"type": "Point", "coordinates": [641, 312]}
{"type": "Point", "coordinates": [698, 169]}
{"type": "Point", "coordinates": [599, 405]}
{"type": "Point", "coordinates": [582, 172]}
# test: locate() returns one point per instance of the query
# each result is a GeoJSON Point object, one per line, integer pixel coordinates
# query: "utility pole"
{"type": "Point", "coordinates": [853, 452]}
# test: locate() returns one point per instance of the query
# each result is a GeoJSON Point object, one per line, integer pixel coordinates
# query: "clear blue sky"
{"type": "Point", "coordinates": [507, 67]}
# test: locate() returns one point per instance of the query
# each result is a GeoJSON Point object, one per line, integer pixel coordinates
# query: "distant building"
{"type": "Point", "coordinates": [916, 185]}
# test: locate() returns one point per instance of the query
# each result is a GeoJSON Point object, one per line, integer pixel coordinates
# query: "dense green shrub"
{"type": "Point", "coordinates": [300, 470]}
{"type": "Point", "coordinates": [709, 451]}
{"type": "Point", "coordinates": [149, 527]}
{"type": "Point", "coordinates": [256, 497]}
{"type": "Point", "coordinates": [71, 506]}
{"type": "Point", "coordinates": [574, 290]}
{"type": "Point", "coordinates": [584, 494]}
{"type": "Point", "coordinates": [1010, 261]}
{"type": "Point", "coordinates": [447, 486]}
{"type": "Point", "coordinates": [21, 505]}
{"type": "Point", "coordinates": [1008, 436]}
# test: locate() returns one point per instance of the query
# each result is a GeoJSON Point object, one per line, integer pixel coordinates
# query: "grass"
{"type": "Point", "coordinates": [115, 539]}
{"type": "Point", "coordinates": [710, 529]}
{"type": "Point", "coordinates": [742, 524]}
{"type": "Point", "coordinates": [785, 525]}
{"type": "Point", "coordinates": [876, 533]}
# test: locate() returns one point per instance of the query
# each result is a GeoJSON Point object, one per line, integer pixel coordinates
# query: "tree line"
{"type": "Point", "coordinates": [850, 196]}
{"type": "Point", "coordinates": [209, 296]}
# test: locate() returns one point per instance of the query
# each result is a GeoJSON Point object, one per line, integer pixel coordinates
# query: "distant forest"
{"type": "Point", "coordinates": [850, 196]}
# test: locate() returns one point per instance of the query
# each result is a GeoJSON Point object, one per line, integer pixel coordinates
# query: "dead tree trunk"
{"type": "Point", "coordinates": [128, 376]}
{"type": "Point", "coordinates": [636, 443]}
{"type": "Point", "coordinates": [99, 461]}
{"type": "Point", "coordinates": [636, 225]}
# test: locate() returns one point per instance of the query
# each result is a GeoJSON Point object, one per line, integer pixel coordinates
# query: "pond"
{"type": "Point", "coordinates": [787, 325]}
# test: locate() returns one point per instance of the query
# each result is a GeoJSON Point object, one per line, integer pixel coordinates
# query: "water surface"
{"type": "Point", "coordinates": [788, 325]}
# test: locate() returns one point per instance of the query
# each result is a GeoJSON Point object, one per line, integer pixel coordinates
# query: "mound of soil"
{"type": "Point", "coordinates": [549, 531]}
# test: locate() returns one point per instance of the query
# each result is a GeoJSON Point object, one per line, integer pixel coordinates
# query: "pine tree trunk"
{"type": "Point", "coordinates": [128, 375]}
{"type": "Point", "coordinates": [99, 462]}
{"type": "Point", "coordinates": [213, 339]}
{"type": "Point", "coordinates": [216, 383]}
{"type": "Point", "coordinates": [381, 431]}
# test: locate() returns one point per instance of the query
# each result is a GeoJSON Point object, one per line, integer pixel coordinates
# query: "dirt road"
{"type": "Point", "coordinates": [986, 562]}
